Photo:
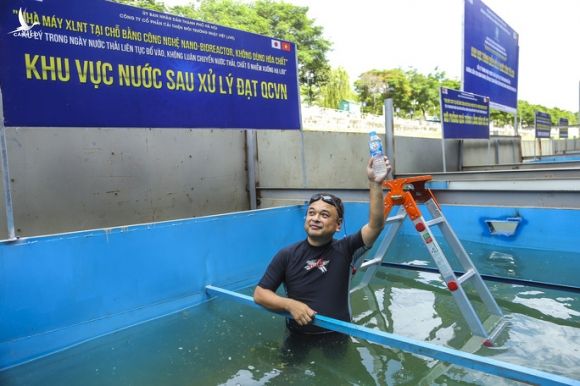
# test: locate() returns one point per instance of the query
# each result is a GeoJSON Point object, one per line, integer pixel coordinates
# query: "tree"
{"type": "Point", "coordinates": [500, 118]}
{"type": "Point", "coordinates": [374, 86]}
{"type": "Point", "coordinates": [279, 20]}
{"type": "Point", "coordinates": [416, 95]}
{"type": "Point", "coordinates": [276, 19]}
{"type": "Point", "coordinates": [424, 93]}
{"type": "Point", "coordinates": [336, 89]}
{"type": "Point", "coordinates": [147, 4]}
{"type": "Point", "coordinates": [557, 113]}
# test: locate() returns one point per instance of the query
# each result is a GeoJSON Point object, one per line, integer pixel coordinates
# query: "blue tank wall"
{"type": "Point", "coordinates": [61, 290]}
{"type": "Point", "coordinates": [540, 228]}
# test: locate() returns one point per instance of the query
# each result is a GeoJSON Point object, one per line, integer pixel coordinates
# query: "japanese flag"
{"type": "Point", "coordinates": [276, 44]}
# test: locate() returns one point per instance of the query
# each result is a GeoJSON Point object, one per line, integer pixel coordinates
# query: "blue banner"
{"type": "Point", "coordinates": [95, 63]}
{"type": "Point", "coordinates": [490, 56]}
{"type": "Point", "coordinates": [563, 131]}
{"type": "Point", "coordinates": [464, 115]}
{"type": "Point", "coordinates": [543, 124]}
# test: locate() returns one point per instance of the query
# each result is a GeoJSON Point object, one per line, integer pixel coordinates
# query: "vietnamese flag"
{"type": "Point", "coordinates": [286, 46]}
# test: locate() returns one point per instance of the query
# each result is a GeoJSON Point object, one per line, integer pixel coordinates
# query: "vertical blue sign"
{"type": "Point", "coordinates": [95, 63]}
{"type": "Point", "coordinates": [490, 56]}
{"type": "Point", "coordinates": [563, 131]}
{"type": "Point", "coordinates": [464, 115]}
{"type": "Point", "coordinates": [543, 124]}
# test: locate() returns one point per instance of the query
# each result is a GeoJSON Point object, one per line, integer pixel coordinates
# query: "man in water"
{"type": "Point", "coordinates": [315, 271]}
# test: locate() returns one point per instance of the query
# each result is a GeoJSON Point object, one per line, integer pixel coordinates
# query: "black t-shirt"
{"type": "Point", "coordinates": [316, 276]}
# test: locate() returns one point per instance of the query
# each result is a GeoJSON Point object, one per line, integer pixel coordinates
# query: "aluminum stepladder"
{"type": "Point", "coordinates": [406, 193]}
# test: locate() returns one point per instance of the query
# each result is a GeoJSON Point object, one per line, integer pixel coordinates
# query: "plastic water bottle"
{"type": "Point", "coordinates": [376, 150]}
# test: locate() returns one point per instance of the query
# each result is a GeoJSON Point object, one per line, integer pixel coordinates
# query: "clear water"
{"type": "Point", "coordinates": [225, 343]}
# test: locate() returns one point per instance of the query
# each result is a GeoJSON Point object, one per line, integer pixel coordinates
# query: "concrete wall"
{"type": "Point", "coordinates": [329, 160]}
{"type": "Point", "coordinates": [424, 155]}
{"type": "Point", "coordinates": [495, 151]}
{"type": "Point", "coordinates": [531, 148]}
{"type": "Point", "coordinates": [333, 160]}
{"type": "Point", "coordinates": [78, 179]}
{"type": "Point", "coordinates": [338, 160]}
{"type": "Point", "coordinates": [563, 146]}
{"type": "Point", "coordinates": [535, 148]}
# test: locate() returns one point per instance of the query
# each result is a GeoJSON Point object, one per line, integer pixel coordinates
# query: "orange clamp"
{"type": "Point", "coordinates": [407, 192]}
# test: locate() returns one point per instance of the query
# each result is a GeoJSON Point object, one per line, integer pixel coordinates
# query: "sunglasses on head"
{"type": "Point", "coordinates": [329, 200]}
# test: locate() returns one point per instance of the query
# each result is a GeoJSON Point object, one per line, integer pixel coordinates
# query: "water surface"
{"type": "Point", "coordinates": [225, 343]}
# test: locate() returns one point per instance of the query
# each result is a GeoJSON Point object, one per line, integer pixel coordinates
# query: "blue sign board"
{"type": "Point", "coordinates": [490, 56]}
{"type": "Point", "coordinates": [543, 124]}
{"type": "Point", "coordinates": [563, 130]}
{"type": "Point", "coordinates": [95, 63]}
{"type": "Point", "coordinates": [464, 115]}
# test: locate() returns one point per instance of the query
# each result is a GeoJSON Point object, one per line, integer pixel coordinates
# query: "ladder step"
{"type": "Point", "coordinates": [398, 217]}
{"type": "Point", "coordinates": [466, 276]}
{"type": "Point", "coordinates": [435, 221]}
{"type": "Point", "coordinates": [496, 330]}
{"type": "Point", "coordinates": [376, 260]}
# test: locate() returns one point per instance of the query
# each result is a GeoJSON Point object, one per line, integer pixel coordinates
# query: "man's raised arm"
{"type": "Point", "coordinates": [373, 228]}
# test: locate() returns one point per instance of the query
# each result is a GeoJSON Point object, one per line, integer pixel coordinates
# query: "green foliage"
{"type": "Point", "coordinates": [279, 20]}
{"type": "Point", "coordinates": [424, 93]}
{"type": "Point", "coordinates": [276, 19]}
{"type": "Point", "coordinates": [501, 118]}
{"type": "Point", "coordinates": [557, 113]}
{"type": "Point", "coordinates": [526, 114]}
{"type": "Point", "coordinates": [148, 4]}
{"type": "Point", "coordinates": [414, 94]}
{"type": "Point", "coordinates": [374, 86]}
{"type": "Point", "coordinates": [336, 89]}
{"type": "Point", "coordinates": [417, 96]}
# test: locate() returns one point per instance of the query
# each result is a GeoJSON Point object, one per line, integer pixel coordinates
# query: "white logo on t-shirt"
{"type": "Point", "coordinates": [320, 264]}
